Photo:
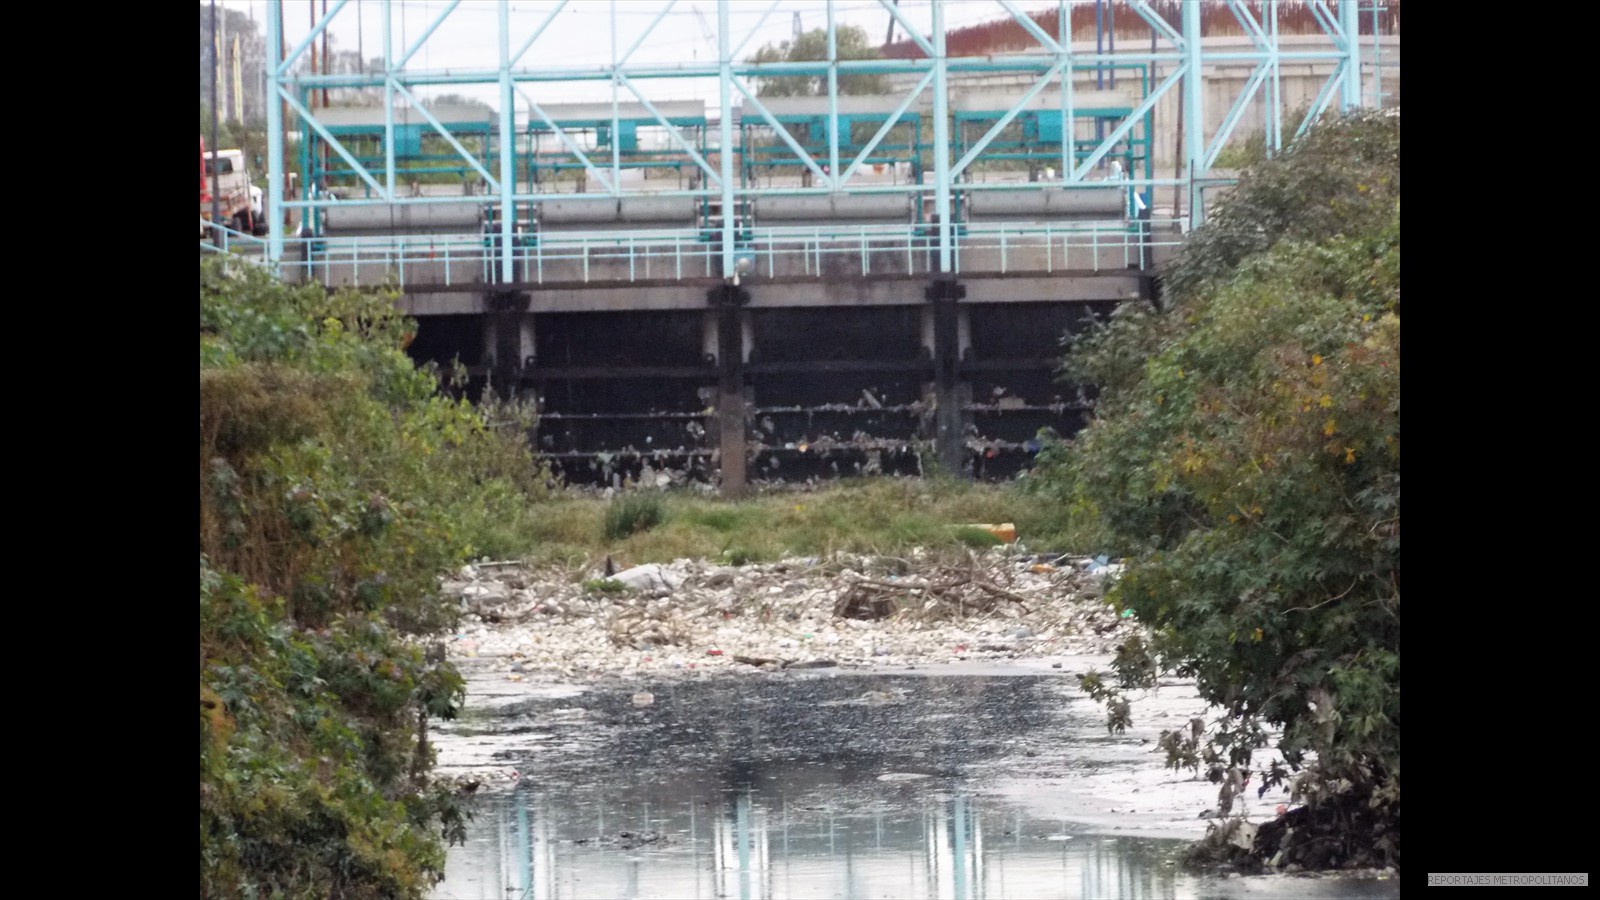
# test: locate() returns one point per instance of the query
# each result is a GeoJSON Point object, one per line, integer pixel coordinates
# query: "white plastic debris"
{"type": "Point", "coordinates": [650, 578]}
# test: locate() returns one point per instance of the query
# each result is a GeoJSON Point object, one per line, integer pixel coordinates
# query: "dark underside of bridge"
{"type": "Point", "coordinates": [770, 381]}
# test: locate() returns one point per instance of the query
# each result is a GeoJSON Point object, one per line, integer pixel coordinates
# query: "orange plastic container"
{"type": "Point", "coordinates": [1006, 531]}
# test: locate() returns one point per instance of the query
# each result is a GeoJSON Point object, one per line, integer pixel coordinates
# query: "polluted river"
{"type": "Point", "coordinates": [852, 727]}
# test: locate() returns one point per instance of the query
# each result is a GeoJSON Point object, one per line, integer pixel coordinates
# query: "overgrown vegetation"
{"type": "Point", "coordinates": [1246, 458]}
{"type": "Point", "coordinates": [632, 513]}
{"type": "Point", "coordinates": [336, 484]}
{"type": "Point", "coordinates": [854, 516]}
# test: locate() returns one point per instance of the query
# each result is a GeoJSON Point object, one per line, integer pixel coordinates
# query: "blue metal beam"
{"type": "Point", "coordinates": [275, 166]}
{"type": "Point", "coordinates": [1125, 127]}
{"type": "Point", "coordinates": [1350, 24]}
{"type": "Point", "coordinates": [1032, 27]}
{"type": "Point", "coordinates": [739, 48]}
{"type": "Point", "coordinates": [1069, 119]}
{"type": "Point", "coordinates": [833, 99]}
{"type": "Point", "coordinates": [1275, 107]}
{"type": "Point", "coordinates": [427, 33]}
{"type": "Point", "coordinates": [1012, 113]}
{"type": "Point", "coordinates": [1324, 97]}
{"type": "Point", "coordinates": [1157, 22]}
{"type": "Point", "coordinates": [725, 148]}
{"type": "Point", "coordinates": [317, 28]}
{"type": "Point", "coordinates": [508, 137]}
{"type": "Point", "coordinates": [572, 147]}
{"type": "Point", "coordinates": [1194, 144]}
{"type": "Point", "coordinates": [418, 106]}
{"type": "Point", "coordinates": [1235, 112]}
{"type": "Point", "coordinates": [672, 131]}
{"type": "Point", "coordinates": [549, 17]}
{"type": "Point", "coordinates": [994, 64]}
{"type": "Point", "coordinates": [905, 25]}
{"type": "Point", "coordinates": [941, 140]}
{"type": "Point", "coordinates": [782, 132]}
{"type": "Point", "coordinates": [390, 73]}
{"type": "Point", "coordinates": [643, 34]}
{"type": "Point", "coordinates": [1325, 19]}
{"type": "Point", "coordinates": [886, 127]}
{"type": "Point", "coordinates": [842, 156]}
{"type": "Point", "coordinates": [307, 119]}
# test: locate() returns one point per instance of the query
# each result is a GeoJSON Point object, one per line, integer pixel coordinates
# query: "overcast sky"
{"type": "Point", "coordinates": [582, 33]}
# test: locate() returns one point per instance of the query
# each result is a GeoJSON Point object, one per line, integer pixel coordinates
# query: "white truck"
{"type": "Point", "coordinates": [239, 202]}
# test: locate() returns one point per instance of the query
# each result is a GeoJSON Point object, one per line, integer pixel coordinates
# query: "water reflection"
{"type": "Point", "coordinates": [850, 787]}
{"type": "Point", "coordinates": [753, 847]}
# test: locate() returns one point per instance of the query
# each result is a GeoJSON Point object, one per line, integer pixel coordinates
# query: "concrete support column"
{"type": "Point", "coordinates": [508, 340]}
{"type": "Point", "coordinates": [949, 420]}
{"type": "Point", "coordinates": [727, 301]}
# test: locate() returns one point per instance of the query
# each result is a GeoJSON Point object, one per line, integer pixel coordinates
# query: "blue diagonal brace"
{"type": "Point", "coordinates": [549, 17]}
{"type": "Point", "coordinates": [1031, 27]}
{"type": "Point", "coordinates": [1320, 105]}
{"type": "Point", "coordinates": [1121, 131]}
{"type": "Point", "coordinates": [317, 29]}
{"type": "Point", "coordinates": [1231, 120]}
{"type": "Point", "coordinates": [572, 147]}
{"type": "Point", "coordinates": [307, 118]}
{"type": "Point", "coordinates": [1005, 120]}
{"type": "Point", "coordinates": [905, 25]}
{"type": "Point", "coordinates": [884, 129]}
{"type": "Point", "coordinates": [493, 182]}
{"type": "Point", "coordinates": [646, 33]}
{"type": "Point", "coordinates": [739, 48]}
{"type": "Point", "coordinates": [427, 33]}
{"type": "Point", "coordinates": [782, 132]}
{"type": "Point", "coordinates": [672, 131]}
{"type": "Point", "coordinates": [1154, 20]}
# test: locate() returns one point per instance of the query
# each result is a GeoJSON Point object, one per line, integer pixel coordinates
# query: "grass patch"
{"type": "Point", "coordinates": [977, 538]}
{"type": "Point", "coordinates": [630, 514]}
{"type": "Point", "coordinates": [874, 516]}
{"type": "Point", "coordinates": [722, 518]}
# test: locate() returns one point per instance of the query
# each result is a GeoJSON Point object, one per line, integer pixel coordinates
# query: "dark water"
{"type": "Point", "coordinates": [853, 786]}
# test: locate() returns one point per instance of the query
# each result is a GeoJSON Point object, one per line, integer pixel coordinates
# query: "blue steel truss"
{"type": "Point", "coordinates": [519, 155]}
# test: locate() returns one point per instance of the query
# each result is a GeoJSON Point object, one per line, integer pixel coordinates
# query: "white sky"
{"type": "Point", "coordinates": [582, 34]}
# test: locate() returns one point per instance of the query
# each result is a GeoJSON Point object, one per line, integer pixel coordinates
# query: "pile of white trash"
{"type": "Point", "coordinates": [847, 610]}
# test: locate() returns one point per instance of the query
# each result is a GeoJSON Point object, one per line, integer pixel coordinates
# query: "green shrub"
{"type": "Point", "coordinates": [1246, 457]}
{"type": "Point", "coordinates": [740, 556]}
{"type": "Point", "coordinates": [336, 484]}
{"type": "Point", "coordinates": [632, 513]}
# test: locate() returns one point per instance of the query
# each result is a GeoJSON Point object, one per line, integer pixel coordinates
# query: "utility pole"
{"type": "Point", "coordinates": [216, 179]}
{"type": "Point", "coordinates": [220, 39]}
{"type": "Point", "coordinates": [237, 79]}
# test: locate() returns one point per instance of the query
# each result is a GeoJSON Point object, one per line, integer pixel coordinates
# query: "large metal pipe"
{"type": "Point", "coordinates": [1049, 203]}
{"type": "Point", "coordinates": [677, 211]}
{"type": "Point", "coordinates": [835, 207]}
{"type": "Point", "coordinates": [433, 218]}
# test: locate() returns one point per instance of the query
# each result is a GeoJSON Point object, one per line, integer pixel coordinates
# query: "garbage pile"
{"type": "Point", "coordinates": [847, 610]}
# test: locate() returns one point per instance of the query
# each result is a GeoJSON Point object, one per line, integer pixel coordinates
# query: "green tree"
{"type": "Point", "coordinates": [1246, 457]}
{"type": "Point", "coordinates": [813, 46]}
{"type": "Point", "coordinates": [336, 484]}
{"type": "Point", "coordinates": [459, 100]}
